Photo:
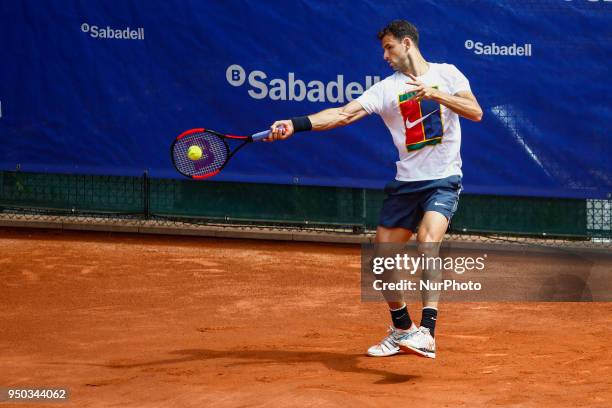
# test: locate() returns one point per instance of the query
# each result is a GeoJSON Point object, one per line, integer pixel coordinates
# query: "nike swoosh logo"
{"type": "Point", "coordinates": [410, 124]}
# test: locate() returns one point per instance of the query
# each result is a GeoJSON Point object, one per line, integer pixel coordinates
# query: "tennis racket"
{"type": "Point", "coordinates": [215, 151]}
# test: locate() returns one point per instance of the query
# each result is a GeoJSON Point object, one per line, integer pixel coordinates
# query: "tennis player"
{"type": "Point", "coordinates": [420, 103]}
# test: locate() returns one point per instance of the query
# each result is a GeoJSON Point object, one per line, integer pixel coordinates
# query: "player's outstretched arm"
{"type": "Point", "coordinates": [336, 117]}
{"type": "Point", "coordinates": [324, 120]}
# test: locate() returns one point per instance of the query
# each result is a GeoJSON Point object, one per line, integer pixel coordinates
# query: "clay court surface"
{"type": "Point", "coordinates": [141, 321]}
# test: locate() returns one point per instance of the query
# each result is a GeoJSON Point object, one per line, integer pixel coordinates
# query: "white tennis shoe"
{"type": "Point", "coordinates": [389, 346]}
{"type": "Point", "coordinates": [421, 342]}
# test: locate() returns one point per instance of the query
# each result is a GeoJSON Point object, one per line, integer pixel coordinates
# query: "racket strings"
{"type": "Point", "coordinates": [214, 154]}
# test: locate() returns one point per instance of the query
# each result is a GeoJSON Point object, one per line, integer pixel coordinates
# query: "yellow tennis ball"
{"type": "Point", "coordinates": [194, 152]}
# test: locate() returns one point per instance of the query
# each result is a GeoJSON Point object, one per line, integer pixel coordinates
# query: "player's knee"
{"type": "Point", "coordinates": [427, 238]}
{"type": "Point", "coordinates": [428, 247]}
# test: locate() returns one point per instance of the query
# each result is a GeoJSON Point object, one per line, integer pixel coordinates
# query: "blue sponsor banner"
{"type": "Point", "coordinates": [104, 87]}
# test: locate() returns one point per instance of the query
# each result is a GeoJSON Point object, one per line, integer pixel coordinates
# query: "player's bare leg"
{"type": "Point", "coordinates": [393, 236]}
{"type": "Point", "coordinates": [430, 235]}
{"type": "Point", "coordinates": [402, 327]}
{"type": "Point", "coordinates": [397, 235]}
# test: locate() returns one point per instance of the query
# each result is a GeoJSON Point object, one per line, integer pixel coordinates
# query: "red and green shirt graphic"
{"type": "Point", "coordinates": [422, 121]}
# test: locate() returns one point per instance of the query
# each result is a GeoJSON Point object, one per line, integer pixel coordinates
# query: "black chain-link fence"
{"type": "Point", "coordinates": [175, 204]}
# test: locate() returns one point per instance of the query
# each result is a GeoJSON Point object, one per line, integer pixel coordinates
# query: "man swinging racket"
{"type": "Point", "coordinates": [420, 104]}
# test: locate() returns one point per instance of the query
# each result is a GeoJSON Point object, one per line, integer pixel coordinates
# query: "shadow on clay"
{"type": "Point", "coordinates": [347, 363]}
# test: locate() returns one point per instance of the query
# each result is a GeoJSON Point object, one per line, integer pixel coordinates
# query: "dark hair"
{"type": "Point", "coordinates": [400, 29]}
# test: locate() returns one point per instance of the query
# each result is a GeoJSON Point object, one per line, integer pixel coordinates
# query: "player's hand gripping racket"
{"type": "Point", "coordinates": [202, 153]}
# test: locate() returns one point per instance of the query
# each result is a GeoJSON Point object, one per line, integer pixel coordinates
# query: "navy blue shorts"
{"type": "Point", "coordinates": [407, 201]}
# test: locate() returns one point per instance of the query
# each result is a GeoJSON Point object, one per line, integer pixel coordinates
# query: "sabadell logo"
{"type": "Point", "coordinates": [260, 86]}
{"type": "Point", "coordinates": [513, 50]}
{"type": "Point", "coordinates": [111, 33]}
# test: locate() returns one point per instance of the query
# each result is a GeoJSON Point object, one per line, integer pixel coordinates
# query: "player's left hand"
{"type": "Point", "coordinates": [422, 91]}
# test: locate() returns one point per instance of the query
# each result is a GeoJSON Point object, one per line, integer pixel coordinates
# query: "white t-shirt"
{"type": "Point", "coordinates": [427, 135]}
